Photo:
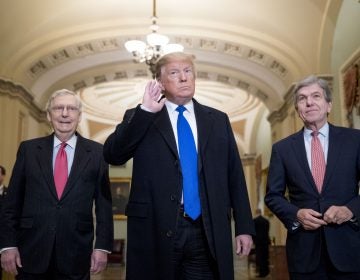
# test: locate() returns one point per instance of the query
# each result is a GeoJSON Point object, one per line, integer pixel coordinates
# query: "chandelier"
{"type": "Point", "coordinates": [156, 45]}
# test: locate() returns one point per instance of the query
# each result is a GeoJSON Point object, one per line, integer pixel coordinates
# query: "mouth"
{"type": "Point", "coordinates": [311, 111]}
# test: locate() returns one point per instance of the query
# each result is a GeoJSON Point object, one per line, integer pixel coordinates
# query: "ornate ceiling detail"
{"type": "Point", "coordinates": [82, 49]}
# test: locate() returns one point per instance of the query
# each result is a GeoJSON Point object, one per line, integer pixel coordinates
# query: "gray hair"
{"type": "Point", "coordinates": [310, 80]}
{"type": "Point", "coordinates": [166, 59]}
{"type": "Point", "coordinates": [63, 92]}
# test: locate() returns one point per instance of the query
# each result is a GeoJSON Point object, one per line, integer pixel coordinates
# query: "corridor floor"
{"type": "Point", "coordinates": [117, 272]}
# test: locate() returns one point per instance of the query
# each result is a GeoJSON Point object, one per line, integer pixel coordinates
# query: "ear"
{"type": "Point", "coordinates": [329, 107]}
{"type": "Point", "coordinates": [161, 85]}
{"type": "Point", "coordinates": [48, 116]}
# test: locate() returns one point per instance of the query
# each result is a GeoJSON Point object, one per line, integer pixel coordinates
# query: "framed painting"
{"type": "Point", "coordinates": [120, 189]}
{"type": "Point", "coordinates": [351, 90]}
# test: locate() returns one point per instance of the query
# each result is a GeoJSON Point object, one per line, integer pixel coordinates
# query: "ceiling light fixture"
{"type": "Point", "coordinates": [156, 45]}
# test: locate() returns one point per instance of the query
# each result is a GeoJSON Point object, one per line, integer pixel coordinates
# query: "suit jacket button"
{"type": "Point", "coordinates": [169, 233]}
{"type": "Point", "coordinates": [173, 197]}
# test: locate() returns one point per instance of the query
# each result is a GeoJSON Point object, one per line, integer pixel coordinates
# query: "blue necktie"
{"type": "Point", "coordinates": [188, 161]}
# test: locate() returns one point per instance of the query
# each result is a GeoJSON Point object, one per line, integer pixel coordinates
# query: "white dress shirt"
{"type": "Point", "coordinates": [189, 115]}
{"type": "Point", "coordinates": [69, 149]}
{"type": "Point", "coordinates": [324, 140]}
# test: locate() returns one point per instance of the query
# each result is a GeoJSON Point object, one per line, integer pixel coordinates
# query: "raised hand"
{"type": "Point", "coordinates": [152, 96]}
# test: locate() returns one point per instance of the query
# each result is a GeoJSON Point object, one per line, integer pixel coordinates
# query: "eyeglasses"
{"type": "Point", "coordinates": [60, 108]}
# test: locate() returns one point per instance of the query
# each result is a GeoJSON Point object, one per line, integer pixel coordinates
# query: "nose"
{"type": "Point", "coordinates": [65, 111]}
{"type": "Point", "coordinates": [183, 76]}
{"type": "Point", "coordinates": [309, 101]}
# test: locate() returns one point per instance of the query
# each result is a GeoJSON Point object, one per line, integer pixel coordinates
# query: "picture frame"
{"type": "Point", "coordinates": [120, 189]}
{"type": "Point", "coordinates": [350, 79]}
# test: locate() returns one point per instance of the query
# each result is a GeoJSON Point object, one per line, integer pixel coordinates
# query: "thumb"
{"type": "Point", "coordinates": [18, 261]}
{"type": "Point", "coordinates": [162, 101]}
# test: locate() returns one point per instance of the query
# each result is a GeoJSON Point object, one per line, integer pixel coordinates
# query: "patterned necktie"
{"type": "Point", "coordinates": [317, 161]}
{"type": "Point", "coordinates": [188, 161]}
{"type": "Point", "coordinates": [61, 170]}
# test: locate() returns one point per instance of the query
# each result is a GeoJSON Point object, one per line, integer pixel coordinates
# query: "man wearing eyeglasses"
{"type": "Point", "coordinates": [187, 182]}
{"type": "Point", "coordinates": [47, 227]}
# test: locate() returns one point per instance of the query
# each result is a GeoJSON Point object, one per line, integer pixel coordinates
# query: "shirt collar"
{"type": "Point", "coordinates": [172, 106]}
{"type": "Point", "coordinates": [324, 131]}
{"type": "Point", "coordinates": [71, 142]}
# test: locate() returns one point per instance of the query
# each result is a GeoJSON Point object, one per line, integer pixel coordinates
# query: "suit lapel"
{"type": "Point", "coordinates": [44, 156]}
{"type": "Point", "coordinates": [162, 122]}
{"type": "Point", "coordinates": [81, 159]}
{"type": "Point", "coordinates": [298, 147]}
{"type": "Point", "coordinates": [204, 123]}
{"type": "Point", "coordinates": [334, 148]}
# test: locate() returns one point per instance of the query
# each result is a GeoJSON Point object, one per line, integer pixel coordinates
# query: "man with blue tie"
{"type": "Point", "coordinates": [313, 188]}
{"type": "Point", "coordinates": [187, 184]}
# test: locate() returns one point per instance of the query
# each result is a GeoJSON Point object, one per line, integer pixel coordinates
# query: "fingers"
{"type": "Point", "coordinates": [337, 214]}
{"type": "Point", "coordinates": [304, 215]}
{"type": "Point", "coordinates": [18, 263]}
{"type": "Point", "coordinates": [152, 97]}
{"type": "Point", "coordinates": [243, 244]}
{"type": "Point", "coordinates": [310, 219]}
{"type": "Point", "coordinates": [97, 267]}
{"type": "Point", "coordinates": [98, 261]}
{"type": "Point", "coordinates": [153, 89]}
{"type": "Point", "coordinates": [10, 260]}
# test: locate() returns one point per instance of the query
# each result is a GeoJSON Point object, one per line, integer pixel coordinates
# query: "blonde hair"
{"type": "Point", "coordinates": [166, 59]}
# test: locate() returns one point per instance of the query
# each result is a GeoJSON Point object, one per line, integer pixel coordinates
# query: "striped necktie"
{"type": "Point", "coordinates": [317, 161]}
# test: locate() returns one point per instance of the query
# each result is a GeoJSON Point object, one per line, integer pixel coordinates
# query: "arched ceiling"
{"type": "Point", "coordinates": [248, 52]}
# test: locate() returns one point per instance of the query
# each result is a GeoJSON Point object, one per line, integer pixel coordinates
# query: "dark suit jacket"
{"type": "Point", "coordinates": [2, 196]}
{"type": "Point", "coordinates": [155, 194]}
{"type": "Point", "coordinates": [36, 221]}
{"type": "Point", "coordinates": [4, 192]}
{"type": "Point", "coordinates": [289, 168]}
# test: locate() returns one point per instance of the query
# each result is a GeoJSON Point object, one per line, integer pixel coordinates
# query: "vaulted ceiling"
{"type": "Point", "coordinates": [248, 52]}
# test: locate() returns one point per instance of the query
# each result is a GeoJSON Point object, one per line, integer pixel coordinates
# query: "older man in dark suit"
{"type": "Point", "coordinates": [320, 168]}
{"type": "Point", "coordinates": [182, 199]}
{"type": "Point", "coordinates": [47, 226]}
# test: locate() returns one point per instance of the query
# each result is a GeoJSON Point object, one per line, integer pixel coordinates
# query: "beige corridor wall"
{"type": "Point", "coordinates": [20, 120]}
